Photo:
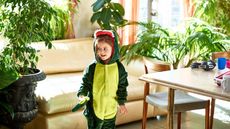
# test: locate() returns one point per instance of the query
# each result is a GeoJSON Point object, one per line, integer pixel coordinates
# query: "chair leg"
{"type": "Point", "coordinates": [179, 120]}
{"type": "Point", "coordinates": [213, 101]}
{"type": "Point", "coordinates": [145, 110]}
{"type": "Point", "coordinates": [207, 108]}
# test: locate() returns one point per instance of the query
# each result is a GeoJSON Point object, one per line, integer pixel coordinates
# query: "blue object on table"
{"type": "Point", "coordinates": [221, 62]}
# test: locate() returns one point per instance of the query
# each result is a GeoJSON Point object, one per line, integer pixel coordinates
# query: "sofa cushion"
{"type": "Point", "coordinates": [57, 93]}
{"type": "Point", "coordinates": [64, 65]}
{"type": "Point", "coordinates": [135, 68]}
{"type": "Point", "coordinates": [66, 55]}
{"type": "Point", "coordinates": [76, 120]}
{"type": "Point", "coordinates": [135, 88]}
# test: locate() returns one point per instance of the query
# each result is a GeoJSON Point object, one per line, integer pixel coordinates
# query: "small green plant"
{"type": "Point", "coordinates": [58, 25]}
{"type": "Point", "coordinates": [61, 24]}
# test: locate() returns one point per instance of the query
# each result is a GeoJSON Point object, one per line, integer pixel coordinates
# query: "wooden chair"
{"type": "Point", "coordinates": [183, 101]}
{"type": "Point", "coordinates": [216, 55]}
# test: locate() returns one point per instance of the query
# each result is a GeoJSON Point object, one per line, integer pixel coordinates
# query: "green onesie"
{"type": "Point", "coordinates": [106, 86]}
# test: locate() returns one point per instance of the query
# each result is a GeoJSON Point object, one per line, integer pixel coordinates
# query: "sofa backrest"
{"type": "Point", "coordinates": [66, 56]}
{"type": "Point", "coordinates": [135, 68]}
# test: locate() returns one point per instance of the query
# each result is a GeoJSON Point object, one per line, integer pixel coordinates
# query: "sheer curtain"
{"type": "Point", "coordinates": [128, 33]}
{"type": "Point", "coordinates": [72, 5]}
{"type": "Point", "coordinates": [189, 7]}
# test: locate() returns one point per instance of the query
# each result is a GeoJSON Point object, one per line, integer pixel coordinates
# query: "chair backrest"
{"type": "Point", "coordinates": [155, 66]}
{"type": "Point", "coordinates": [216, 55]}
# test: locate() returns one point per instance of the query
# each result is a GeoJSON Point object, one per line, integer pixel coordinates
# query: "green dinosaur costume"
{"type": "Point", "coordinates": [105, 85]}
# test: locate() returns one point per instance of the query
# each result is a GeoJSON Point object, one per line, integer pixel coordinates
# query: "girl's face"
{"type": "Point", "coordinates": [104, 50]}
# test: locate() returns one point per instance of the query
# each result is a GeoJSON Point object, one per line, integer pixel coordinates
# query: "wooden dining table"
{"type": "Point", "coordinates": [196, 81]}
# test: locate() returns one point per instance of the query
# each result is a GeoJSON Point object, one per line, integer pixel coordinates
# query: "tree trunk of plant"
{"type": "Point", "coordinates": [20, 95]}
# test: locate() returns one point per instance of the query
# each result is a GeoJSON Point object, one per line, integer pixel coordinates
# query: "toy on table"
{"type": "Point", "coordinates": [219, 77]}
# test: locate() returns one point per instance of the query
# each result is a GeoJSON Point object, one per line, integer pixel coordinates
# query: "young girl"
{"type": "Point", "coordinates": [104, 83]}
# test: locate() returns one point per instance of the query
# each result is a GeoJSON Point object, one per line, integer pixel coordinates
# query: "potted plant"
{"type": "Point", "coordinates": [21, 23]}
{"type": "Point", "coordinates": [202, 39]}
{"type": "Point", "coordinates": [214, 9]}
{"type": "Point", "coordinates": [196, 43]}
{"type": "Point", "coordinates": [156, 43]}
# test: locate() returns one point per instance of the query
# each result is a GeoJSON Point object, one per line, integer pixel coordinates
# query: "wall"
{"type": "Point", "coordinates": [82, 25]}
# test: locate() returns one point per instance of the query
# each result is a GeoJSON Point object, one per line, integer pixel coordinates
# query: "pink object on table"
{"type": "Point", "coordinates": [228, 63]}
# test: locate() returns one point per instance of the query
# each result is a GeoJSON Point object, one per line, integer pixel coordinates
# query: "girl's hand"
{"type": "Point", "coordinates": [82, 98]}
{"type": "Point", "coordinates": [123, 109]}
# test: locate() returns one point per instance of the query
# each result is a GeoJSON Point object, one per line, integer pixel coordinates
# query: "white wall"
{"type": "Point", "coordinates": [82, 25]}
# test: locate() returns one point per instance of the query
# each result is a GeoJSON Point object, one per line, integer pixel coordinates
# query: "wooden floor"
{"type": "Point", "coordinates": [190, 120]}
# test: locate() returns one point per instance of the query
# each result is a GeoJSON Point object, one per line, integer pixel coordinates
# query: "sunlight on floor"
{"type": "Point", "coordinates": [222, 111]}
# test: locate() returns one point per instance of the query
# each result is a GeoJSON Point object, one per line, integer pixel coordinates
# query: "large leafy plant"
{"type": "Point", "coordinates": [215, 12]}
{"type": "Point", "coordinates": [149, 43]}
{"type": "Point", "coordinates": [202, 39]}
{"type": "Point", "coordinates": [195, 43]}
{"type": "Point", "coordinates": [21, 23]}
{"type": "Point", "coordinates": [157, 43]}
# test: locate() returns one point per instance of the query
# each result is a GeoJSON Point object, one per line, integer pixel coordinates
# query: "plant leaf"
{"type": "Point", "coordinates": [118, 8]}
{"type": "Point", "coordinates": [7, 77]}
{"type": "Point", "coordinates": [8, 108]}
{"type": "Point", "coordinates": [98, 5]}
{"type": "Point", "coordinates": [95, 17]}
{"type": "Point", "coordinates": [106, 17]}
{"type": "Point", "coordinates": [117, 17]}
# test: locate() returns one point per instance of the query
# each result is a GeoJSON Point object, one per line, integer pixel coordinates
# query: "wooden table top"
{"type": "Point", "coordinates": [190, 80]}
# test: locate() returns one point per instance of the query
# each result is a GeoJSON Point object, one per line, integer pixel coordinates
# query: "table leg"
{"type": "Point", "coordinates": [213, 101]}
{"type": "Point", "coordinates": [170, 108]}
{"type": "Point", "coordinates": [145, 105]}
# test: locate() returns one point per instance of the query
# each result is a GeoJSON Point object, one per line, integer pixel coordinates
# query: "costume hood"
{"type": "Point", "coordinates": [115, 52]}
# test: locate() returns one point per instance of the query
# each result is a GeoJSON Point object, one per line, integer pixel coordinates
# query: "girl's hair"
{"type": "Point", "coordinates": [104, 38]}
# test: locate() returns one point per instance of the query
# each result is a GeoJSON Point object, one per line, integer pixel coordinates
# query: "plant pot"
{"type": "Point", "coordinates": [20, 95]}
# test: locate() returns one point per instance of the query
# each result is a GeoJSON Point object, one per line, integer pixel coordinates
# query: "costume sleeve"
{"type": "Point", "coordinates": [86, 84]}
{"type": "Point", "coordinates": [122, 85]}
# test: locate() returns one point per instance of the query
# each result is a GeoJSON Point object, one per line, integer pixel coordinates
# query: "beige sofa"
{"type": "Point", "coordinates": [56, 95]}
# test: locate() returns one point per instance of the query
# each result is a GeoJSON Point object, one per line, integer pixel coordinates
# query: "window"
{"type": "Point", "coordinates": [167, 13]}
